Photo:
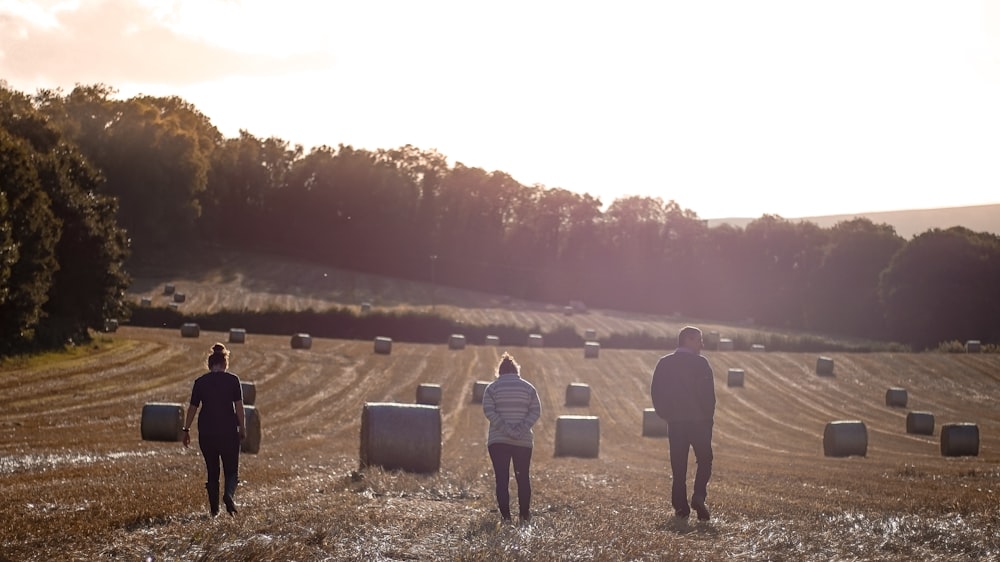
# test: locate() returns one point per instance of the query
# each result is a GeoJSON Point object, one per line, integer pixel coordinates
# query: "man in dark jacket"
{"type": "Point", "coordinates": [683, 393]}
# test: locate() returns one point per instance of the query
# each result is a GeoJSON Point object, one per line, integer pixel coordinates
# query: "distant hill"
{"type": "Point", "coordinates": [908, 223]}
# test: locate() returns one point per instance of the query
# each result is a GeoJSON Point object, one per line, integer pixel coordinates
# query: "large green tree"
{"type": "Point", "coordinates": [942, 286]}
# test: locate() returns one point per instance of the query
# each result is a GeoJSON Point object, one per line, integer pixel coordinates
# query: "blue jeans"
{"type": "Point", "coordinates": [502, 454]}
{"type": "Point", "coordinates": [683, 436]}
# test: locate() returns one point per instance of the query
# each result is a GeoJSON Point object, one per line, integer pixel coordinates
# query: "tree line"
{"type": "Point", "coordinates": [90, 181]}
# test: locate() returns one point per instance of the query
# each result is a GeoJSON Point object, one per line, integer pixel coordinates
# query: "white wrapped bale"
{"type": "Point", "coordinates": [734, 377]}
{"type": "Point", "coordinates": [383, 345]}
{"type": "Point", "coordinates": [711, 340]}
{"type": "Point", "coordinates": [492, 340]}
{"type": "Point", "coordinates": [653, 425]}
{"type": "Point", "coordinates": [302, 341]}
{"type": "Point", "coordinates": [591, 350]}
{"type": "Point", "coordinates": [590, 334]}
{"type": "Point", "coordinates": [578, 436]}
{"type": "Point", "coordinates": [896, 397]}
{"type": "Point", "coordinates": [251, 445]}
{"type": "Point", "coordinates": [726, 344]}
{"type": "Point", "coordinates": [190, 330]}
{"type": "Point", "coordinates": [162, 421]}
{"type": "Point", "coordinates": [249, 392]}
{"type": "Point", "coordinates": [180, 297]}
{"type": "Point", "coordinates": [960, 440]}
{"type": "Point", "coordinates": [536, 340]}
{"type": "Point", "coordinates": [237, 335]}
{"type": "Point", "coordinates": [456, 341]}
{"type": "Point", "coordinates": [845, 438]}
{"type": "Point", "coordinates": [973, 346]}
{"type": "Point", "coordinates": [824, 366]}
{"type": "Point", "coordinates": [478, 390]}
{"type": "Point", "coordinates": [577, 394]}
{"type": "Point", "coordinates": [921, 423]}
{"type": "Point", "coordinates": [401, 437]}
{"type": "Point", "coordinates": [429, 394]}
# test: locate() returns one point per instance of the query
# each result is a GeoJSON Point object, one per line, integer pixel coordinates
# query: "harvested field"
{"type": "Point", "coordinates": [79, 483]}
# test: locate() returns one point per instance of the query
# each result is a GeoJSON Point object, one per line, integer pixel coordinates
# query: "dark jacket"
{"type": "Point", "coordinates": [683, 387]}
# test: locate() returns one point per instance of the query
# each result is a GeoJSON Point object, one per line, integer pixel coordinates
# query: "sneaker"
{"type": "Point", "coordinates": [699, 506]}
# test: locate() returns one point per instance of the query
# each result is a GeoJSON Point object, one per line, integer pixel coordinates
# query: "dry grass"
{"type": "Point", "coordinates": [79, 484]}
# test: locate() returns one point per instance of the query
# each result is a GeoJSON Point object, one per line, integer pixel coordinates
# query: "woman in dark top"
{"type": "Point", "coordinates": [221, 425]}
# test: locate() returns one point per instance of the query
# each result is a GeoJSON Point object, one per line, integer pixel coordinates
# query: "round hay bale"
{"type": "Point", "coordinates": [590, 334]}
{"type": "Point", "coordinates": [190, 330]}
{"type": "Point", "coordinates": [383, 345]}
{"type": "Point", "coordinates": [478, 390]}
{"type": "Point", "coordinates": [456, 341]}
{"type": "Point", "coordinates": [591, 350]}
{"type": "Point", "coordinates": [896, 397]}
{"type": "Point", "coordinates": [920, 422]}
{"type": "Point", "coordinates": [251, 445]}
{"type": "Point", "coordinates": [734, 377]}
{"type": "Point", "coordinates": [429, 394]}
{"type": "Point", "coordinates": [578, 436]}
{"type": "Point", "coordinates": [973, 346]}
{"type": "Point", "coordinates": [758, 347]}
{"type": "Point", "coordinates": [711, 340]}
{"type": "Point", "coordinates": [577, 394]}
{"type": "Point", "coordinates": [568, 310]}
{"type": "Point", "coordinates": [824, 366]}
{"type": "Point", "coordinates": [726, 344]}
{"type": "Point", "coordinates": [302, 341]}
{"type": "Point", "coordinates": [401, 436]}
{"type": "Point", "coordinates": [162, 421]}
{"type": "Point", "coordinates": [237, 335]}
{"type": "Point", "coordinates": [845, 438]}
{"type": "Point", "coordinates": [168, 289]}
{"type": "Point", "coordinates": [249, 392]}
{"type": "Point", "coordinates": [492, 340]}
{"type": "Point", "coordinates": [366, 307]}
{"type": "Point", "coordinates": [180, 297]}
{"type": "Point", "coordinates": [536, 340]}
{"type": "Point", "coordinates": [145, 301]}
{"type": "Point", "coordinates": [653, 425]}
{"type": "Point", "coordinates": [960, 440]}
{"type": "Point", "coordinates": [111, 325]}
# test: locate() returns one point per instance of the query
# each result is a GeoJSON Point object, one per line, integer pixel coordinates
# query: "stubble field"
{"type": "Point", "coordinates": [78, 483]}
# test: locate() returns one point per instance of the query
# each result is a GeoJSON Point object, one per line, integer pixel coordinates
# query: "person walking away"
{"type": "Point", "coordinates": [511, 405]}
{"type": "Point", "coordinates": [221, 426]}
{"type": "Point", "coordinates": [683, 393]}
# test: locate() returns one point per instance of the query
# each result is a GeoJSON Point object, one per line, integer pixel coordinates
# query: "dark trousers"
{"type": "Point", "coordinates": [220, 446]}
{"type": "Point", "coordinates": [502, 455]}
{"type": "Point", "coordinates": [684, 436]}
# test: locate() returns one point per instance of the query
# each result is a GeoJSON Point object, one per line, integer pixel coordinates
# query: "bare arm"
{"type": "Point", "coordinates": [241, 418]}
{"type": "Point", "coordinates": [188, 420]}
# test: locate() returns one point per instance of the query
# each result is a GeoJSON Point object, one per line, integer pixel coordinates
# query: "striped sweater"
{"type": "Point", "coordinates": [511, 404]}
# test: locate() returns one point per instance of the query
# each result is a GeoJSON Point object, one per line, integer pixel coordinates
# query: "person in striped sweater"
{"type": "Point", "coordinates": [511, 405]}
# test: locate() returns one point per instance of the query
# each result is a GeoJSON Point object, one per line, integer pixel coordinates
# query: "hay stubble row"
{"type": "Point", "coordinates": [769, 462]}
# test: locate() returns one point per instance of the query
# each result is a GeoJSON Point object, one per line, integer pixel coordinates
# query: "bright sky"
{"type": "Point", "coordinates": [732, 108]}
